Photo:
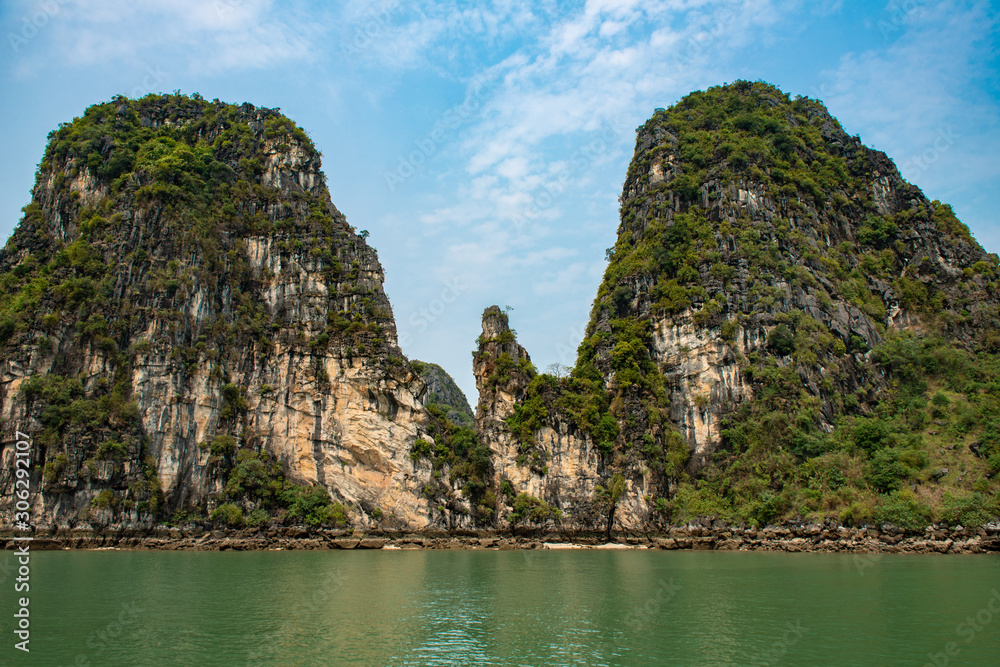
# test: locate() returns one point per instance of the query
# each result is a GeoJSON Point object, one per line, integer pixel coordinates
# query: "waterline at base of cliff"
{"type": "Point", "coordinates": [793, 538]}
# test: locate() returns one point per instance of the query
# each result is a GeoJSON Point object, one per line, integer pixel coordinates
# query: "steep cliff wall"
{"type": "Point", "coordinates": [781, 218]}
{"type": "Point", "coordinates": [745, 211]}
{"type": "Point", "coordinates": [777, 293]}
{"type": "Point", "coordinates": [188, 309]}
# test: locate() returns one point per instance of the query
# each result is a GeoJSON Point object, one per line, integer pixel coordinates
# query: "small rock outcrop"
{"type": "Point", "coordinates": [548, 468]}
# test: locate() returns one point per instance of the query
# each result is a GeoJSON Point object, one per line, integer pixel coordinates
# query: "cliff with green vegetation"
{"type": "Point", "coordinates": [194, 332]}
{"type": "Point", "coordinates": [786, 328]}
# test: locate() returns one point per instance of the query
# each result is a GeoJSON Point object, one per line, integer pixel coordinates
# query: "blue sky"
{"type": "Point", "coordinates": [484, 145]}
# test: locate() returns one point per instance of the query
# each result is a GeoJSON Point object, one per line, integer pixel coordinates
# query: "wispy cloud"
{"type": "Point", "coordinates": [586, 81]}
{"type": "Point", "coordinates": [607, 64]}
{"type": "Point", "coordinates": [448, 38]}
{"type": "Point", "coordinates": [211, 36]}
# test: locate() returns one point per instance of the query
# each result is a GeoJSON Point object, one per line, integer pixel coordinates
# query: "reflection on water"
{"type": "Point", "coordinates": [503, 608]}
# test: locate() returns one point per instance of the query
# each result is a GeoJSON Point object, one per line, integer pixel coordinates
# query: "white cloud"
{"type": "Point", "coordinates": [555, 128]}
{"type": "Point", "coordinates": [213, 36]}
{"type": "Point", "coordinates": [443, 37]}
{"type": "Point", "coordinates": [517, 196]}
{"type": "Point", "coordinates": [591, 71]}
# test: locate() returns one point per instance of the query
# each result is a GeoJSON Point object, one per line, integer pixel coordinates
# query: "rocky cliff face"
{"type": "Point", "coordinates": [189, 305]}
{"type": "Point", "coordinates": [762, 255]}
{"type": "Point", "coordinates": [770, 239]}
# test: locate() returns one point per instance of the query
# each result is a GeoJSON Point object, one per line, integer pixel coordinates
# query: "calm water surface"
{"type": "Point", "coordinates": [504, 608]}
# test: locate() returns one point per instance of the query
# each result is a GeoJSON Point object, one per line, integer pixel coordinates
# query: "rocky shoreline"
{"type": "Point", "coordinates": [818, 538]}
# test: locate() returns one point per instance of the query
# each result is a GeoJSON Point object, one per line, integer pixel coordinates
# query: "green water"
{"type": "Point", "coordinates": [503, 608]}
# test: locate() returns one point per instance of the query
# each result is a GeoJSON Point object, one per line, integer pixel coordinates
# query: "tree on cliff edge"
{"type": "Point", "coordinates": [608, 498]}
